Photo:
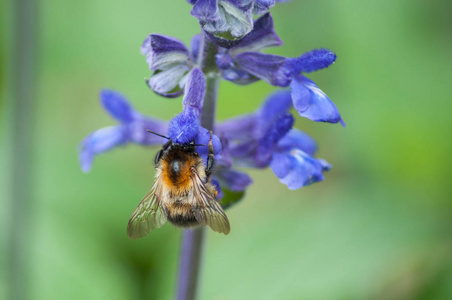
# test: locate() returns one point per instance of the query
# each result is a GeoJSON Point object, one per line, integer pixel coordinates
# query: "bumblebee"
{"type": "Point", "coordinates": [182, 193]}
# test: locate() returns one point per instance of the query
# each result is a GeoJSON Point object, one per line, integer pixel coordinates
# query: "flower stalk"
{"type": "Point", "coordinates": [191, 254]}
{"type": "Point", "coordinates": [210, 101]}
{"type": "Point", "coordinates": [190, 263]}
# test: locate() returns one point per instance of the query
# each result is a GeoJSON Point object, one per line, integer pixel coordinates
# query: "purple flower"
{"type": "Point", "coordinates": [170, 62]}
{"type": "Point", "coordinates": [227, 22]}
{"type": "Point", "coordinates": [185, 126]}
{"type": "Point", "coordinates": [244, 64]}
{"type": "Point", "coordinates": [312, 103]}
{"type": "Point", "coordinates": [266, 138]}
{"type": "Point", "coordinates": [132, 126]}
{"type": "Point", "coordinates": [131, 129]}
{"type": "Point", "coordinates": [296, 168]}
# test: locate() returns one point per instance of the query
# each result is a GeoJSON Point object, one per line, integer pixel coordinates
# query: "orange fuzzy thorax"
{"type": "Point", "coordinates": [178, 182]}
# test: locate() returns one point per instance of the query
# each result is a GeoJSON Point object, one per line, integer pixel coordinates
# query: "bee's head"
{"type": "Point", "coordinates": [170, 145]}
{"type": "Point", "coordinates": [190, 147]}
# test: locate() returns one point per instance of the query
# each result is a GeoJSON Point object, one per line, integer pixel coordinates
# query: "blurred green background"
{"type": "Point", "coordinates": [378, 227]}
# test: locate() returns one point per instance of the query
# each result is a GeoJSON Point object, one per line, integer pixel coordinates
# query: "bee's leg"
{"type": "Point", "coordinates": [159, 154]}
{"type": "Point", "coordinates": [210, 158]}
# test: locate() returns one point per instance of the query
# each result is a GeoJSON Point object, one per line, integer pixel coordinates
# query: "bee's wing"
{"type": "Point", "coordinates": [209, 211]}
{"type": "Point", "coordinates": [148, 215]}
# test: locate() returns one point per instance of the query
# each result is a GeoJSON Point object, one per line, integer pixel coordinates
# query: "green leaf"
{"type": "Point", "coordinates": [230, 198]}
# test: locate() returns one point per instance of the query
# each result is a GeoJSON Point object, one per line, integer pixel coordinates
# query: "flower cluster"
{"type": "Point", "coordinates": [265, 138]}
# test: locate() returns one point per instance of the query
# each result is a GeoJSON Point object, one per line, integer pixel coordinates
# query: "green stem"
{"type": "Point", "coordinates": [210, 103]}
{"type": "Point", "coordinates": [193, 240]}
{"type": "Point", "coordinates": [208, 65]}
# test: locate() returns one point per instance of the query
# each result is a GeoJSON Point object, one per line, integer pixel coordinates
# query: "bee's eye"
{"type": "Point", "coordinates": [158, 156]}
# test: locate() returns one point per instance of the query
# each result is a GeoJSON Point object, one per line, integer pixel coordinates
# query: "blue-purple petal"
{"type": "Point", "coordinates": [203, 138]}
{"type": "Point", "coordinates": [195, 89]}
{"type": "Point", "coordinates": [267, 143]}
{"type": "Point", "coordinates": [184, 127]}
{"type": "Point", "coordinates": [314, 60]}
{"type": "Point", "coordinates": [100, 141]}
{"type": "Point", "coordinates": [262, 36]}
{"type": "Point", "coordinates": [205, 10]}
{"type": "Point", "coordinates": [224, 158]}
{"type": "Point", "coordinates": [217, 186]}
{"type": "Point", "coordinates": [238, 76]}
{"type": "Point", "coordinates": [194, 47]}
{"type": "Point", "coordinates": [224, 61]}
{"type": "Point", "coordinates": [238, 128]}
{"type": "Point", "coordinates": [132, 129]}
{"type": "Point", "coordinates": [262, 6]}
{"type": "Point", "coordinates": [243, 5]}
{"type": "Point", "coordinates": [244, 153]}
{"type": "Point", "coordinates": [277, 103]}
{"type": "Point", "coordinates": [268, 67]}
{"type": "Point", "coordinates": [232, 179]}
{"type": "Point", "coordinates": [325, 165]}
{"type": "Point", "coordinates": [168, 82]}
{"type": "Point", "coordinates": [281, 164]}
{"type": "Point", "coordinates": [117, 106]}
{"type": "Point", "coordinates": [254, 126]}
{"type": "Point", "coordinates": [136, 131]}
{"type": "Point", "coordinates": [312, 103]}
{"type": "Point", "coordinates": [279, 128]}
{"type": "Point", "coordinates": [162, 51]}
{"type": "Point", "coordinates": [298, 169]}
{"type": "Point", "coordinates": [298, 139]}
{"type": "Point", "coordinates": [231, 73]}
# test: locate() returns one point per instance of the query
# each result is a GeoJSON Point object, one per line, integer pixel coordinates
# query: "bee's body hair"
{"type": "Point", "coordinates": [175, 170]}
{"type": "Point", "coordinates": [182, 193]}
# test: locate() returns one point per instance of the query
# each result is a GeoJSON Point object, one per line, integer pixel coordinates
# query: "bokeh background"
{"type": "Point", "coordinates": [378, 227]}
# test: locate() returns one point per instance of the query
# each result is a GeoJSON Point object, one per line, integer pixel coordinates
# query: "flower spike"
{"type": "Point", "coordinates": [262, 139]}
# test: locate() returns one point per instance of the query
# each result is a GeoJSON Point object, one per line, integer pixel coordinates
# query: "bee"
{"type": "Point", "coordinates": [182, 192]}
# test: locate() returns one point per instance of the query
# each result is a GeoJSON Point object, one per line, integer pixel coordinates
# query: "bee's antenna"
{"type": "Point", "coordinates": [157, 134]}
{"type": "Point", "coordinates": [199, 145]}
